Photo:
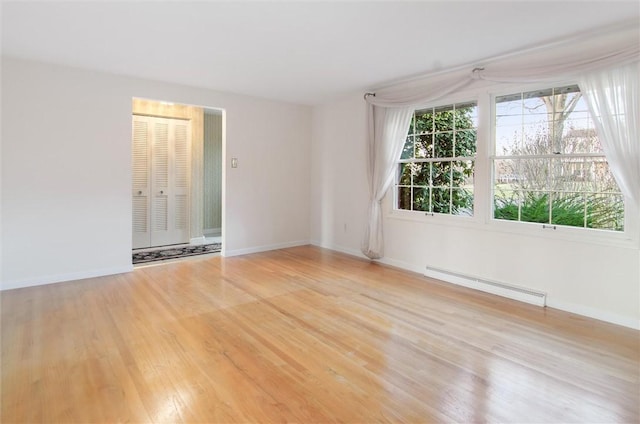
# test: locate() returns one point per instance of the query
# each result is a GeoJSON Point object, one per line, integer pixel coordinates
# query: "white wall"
{"type": "Point", "coordinates": [339, 189]}
{"type": "Point", "coordinates": [66, 170]}
{"type": "Point", "coordinates": [593, 279]}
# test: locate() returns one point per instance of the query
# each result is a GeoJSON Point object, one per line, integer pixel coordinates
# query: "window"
{"type": "Point", "coordinates": [549, 166]}
{"type": "Point", "coordinates": [435, 170]}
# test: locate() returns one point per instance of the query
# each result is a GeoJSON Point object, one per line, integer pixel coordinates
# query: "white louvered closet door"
{"type": "Point", "coordinates": [141, 153]}
{"type": "Point", "coordinates": [166, 197]}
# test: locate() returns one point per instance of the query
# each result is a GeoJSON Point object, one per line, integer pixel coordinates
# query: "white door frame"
{"type": "Point", "coordinates": [197, 174]}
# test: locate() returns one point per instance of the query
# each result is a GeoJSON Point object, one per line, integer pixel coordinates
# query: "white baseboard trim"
{"type": "Point", "coordinates": [265, 248]}
{"type": "Point", "coordinates": [51, 279]}
{"type": "Point", "coordinates": [358, 253]}
{"type": "Point", "coordinates": [598, 314]}
{"type": "Point", "coordinates": [535, 298]}
{"type": "Point", "coordinates": [400, 264]}
{"type": "Point", "coordinates": [550, 301]}
{"type": "Point", "coordinates": [195, 241]}
{"type": "Point", "coordinates": [341, 249]}
{"type": "Point", "coordinates": [522, 294]}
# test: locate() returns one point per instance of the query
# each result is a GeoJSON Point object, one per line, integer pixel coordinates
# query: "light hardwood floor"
{"type": "Point", "coordinates": [305, 335]}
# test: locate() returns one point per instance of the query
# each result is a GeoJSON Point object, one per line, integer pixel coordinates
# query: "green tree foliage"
{"type": "Point", "coordinates": [439, 185]}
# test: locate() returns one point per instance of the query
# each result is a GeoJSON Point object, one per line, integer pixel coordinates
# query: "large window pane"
{"type": "Point", "coordinates": [561, 175]}
{"type": "Point", "coordinates": [437, 183]}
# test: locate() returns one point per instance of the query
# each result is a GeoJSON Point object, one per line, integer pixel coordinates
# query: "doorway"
{"type": "Point", "coordinates": [176, 175]}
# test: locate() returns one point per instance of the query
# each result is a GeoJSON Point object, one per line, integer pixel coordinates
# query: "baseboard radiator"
{"type": "Point", "coordinates": [522, 294]}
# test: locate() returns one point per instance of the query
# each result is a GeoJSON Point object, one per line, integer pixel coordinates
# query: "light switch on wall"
{"type": "Point", "coordinates": [234, 162]}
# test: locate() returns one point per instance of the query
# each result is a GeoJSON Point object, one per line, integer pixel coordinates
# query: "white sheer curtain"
{"type": "Point", "coordinates": [544, 63]}
{"type": "Point", "coordinates": [389, 119]}
{"type": "Point", "coordinates": [613, 97]}
{"type": "Point", "coordinates": [390, 108]}
{"type": "Point", "coordinates": [388, 129]}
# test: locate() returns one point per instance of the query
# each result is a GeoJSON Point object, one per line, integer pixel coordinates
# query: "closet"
{"type": "Point", "coordinates": [161, 176]}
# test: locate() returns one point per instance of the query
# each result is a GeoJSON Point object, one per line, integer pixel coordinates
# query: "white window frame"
{"type": "Point", "coordinates": [414, 215]}
{"type": "Point", "coordinates": [482, 219]}
{"type": "Point", "coordinates": [546, 157]}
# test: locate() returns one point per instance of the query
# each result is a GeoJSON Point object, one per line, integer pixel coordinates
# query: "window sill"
{"type": "Point", "coordinates": [526, 229]}
{"type": "Point", "coordinates": [564, 233]}
{"type": "Point", "coordinates": [435, 218]}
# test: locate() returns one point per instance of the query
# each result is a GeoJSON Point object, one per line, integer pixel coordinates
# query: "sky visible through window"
{"type": "Point", "coordinates": [518, 121]}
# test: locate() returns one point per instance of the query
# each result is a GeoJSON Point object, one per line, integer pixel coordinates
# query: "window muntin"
{"type": "Point", "coordinates": [435, 171]}
{"type": "Point", "coordinates": [549, 166]}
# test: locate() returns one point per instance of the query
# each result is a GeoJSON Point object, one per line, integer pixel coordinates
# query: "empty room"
{"type": "Point", "coordinates": [320, 211]}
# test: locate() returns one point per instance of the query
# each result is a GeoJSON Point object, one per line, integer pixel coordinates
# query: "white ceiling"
{"type": "Point", "coordinates": [303, 52]}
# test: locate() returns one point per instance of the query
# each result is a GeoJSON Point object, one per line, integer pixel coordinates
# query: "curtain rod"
{"type": "Point", "coordinates": [619, 26]}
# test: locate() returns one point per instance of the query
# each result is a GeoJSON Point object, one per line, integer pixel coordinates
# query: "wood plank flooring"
{"type": "Point", "coordinates": [304, 335]}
